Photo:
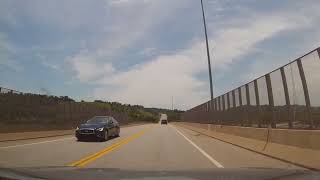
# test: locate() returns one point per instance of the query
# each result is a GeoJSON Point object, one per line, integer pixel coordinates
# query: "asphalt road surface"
{"type": "Point", "coordinates": [146, 148]}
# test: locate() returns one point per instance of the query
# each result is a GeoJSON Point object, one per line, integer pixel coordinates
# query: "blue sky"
{"type": "Point", "coordinates": [146, 51]}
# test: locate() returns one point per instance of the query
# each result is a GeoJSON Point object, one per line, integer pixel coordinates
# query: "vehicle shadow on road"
{"type": "Point", "coordinates": [95, 140]}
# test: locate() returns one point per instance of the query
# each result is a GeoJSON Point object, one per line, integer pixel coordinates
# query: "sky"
{"type": "Point", "coordinates": [148, 51]}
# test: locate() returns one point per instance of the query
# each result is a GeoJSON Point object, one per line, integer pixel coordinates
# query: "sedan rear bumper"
{"type": "Point", "coordinates": [94, 134]}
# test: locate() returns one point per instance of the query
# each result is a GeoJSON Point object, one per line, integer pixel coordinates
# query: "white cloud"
{"type": "Point", "coordinates": [127, 28]}
{"type": "Point", "coordinates": [46, 63]}
{"type": "Point", "coordinates": [147, 51]}
{"type": "Point", "coordinates": [7, 13]}
{"type": "Point", "coordinates": [7, 51]}
{"type": "Point", "coordinates": [117, 2]}
{"type": "Point", "coordinates": [51, 66]}
{"type": "Point", "coordinates": [87, 69]}
{"type": "Point", "coordinates": [130, 26]}
{"type": "Point", "coordinates": [153, 83]}
{"type": "Point", "coordinates": [125, 2]}
{"type": "Point", "coordinates": [232, 43]}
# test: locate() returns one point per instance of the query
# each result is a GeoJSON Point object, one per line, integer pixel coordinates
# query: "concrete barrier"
{"type": "Point", "coordinates": [44, 134]}
{"type": "Point", "coordinates": [300, 147]}
{"type": "Point", "coordinates": [33, 135]}
{"type": "Point", "coordinates": [255, 133]}
{"type": "Point", "coordinates": [300, 138]}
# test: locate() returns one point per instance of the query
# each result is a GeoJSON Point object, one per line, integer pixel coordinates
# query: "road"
{"type": "Point", "coordinates": [141, 148]}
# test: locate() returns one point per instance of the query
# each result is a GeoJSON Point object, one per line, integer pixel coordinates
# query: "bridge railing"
{"type": "Point", "coordinates": [288, 97]}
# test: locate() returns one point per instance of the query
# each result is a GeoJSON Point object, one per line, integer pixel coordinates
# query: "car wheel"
{"type": "Point", "coordinates": [118, 132]}
{"type": "Point", "coordinates": [106, 136]}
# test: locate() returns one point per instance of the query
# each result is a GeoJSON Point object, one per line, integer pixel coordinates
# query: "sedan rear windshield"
{"type": "Point", "coordinates": [96, 120]}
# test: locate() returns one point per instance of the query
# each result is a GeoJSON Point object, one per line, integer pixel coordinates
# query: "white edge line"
{"type": "Point", "coordinates": [215, 162]}
{"type": "Point", "coordinates": [20, 145]}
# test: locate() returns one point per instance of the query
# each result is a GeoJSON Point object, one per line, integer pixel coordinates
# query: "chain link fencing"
{"type": "Point", "coordinates": [42, 111]}
{"type": "Point", "coordinates": [288, 97]}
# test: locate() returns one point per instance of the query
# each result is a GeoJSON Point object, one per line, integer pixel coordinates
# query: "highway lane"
{"type": "Point", "coordinates": [145, 147]}
{"type": "Point", "coordinates": [161, 149]}
{"type": "Point", "coordinates": [233, 156]}
{"type": "Point", "coordinates": [57, 151]}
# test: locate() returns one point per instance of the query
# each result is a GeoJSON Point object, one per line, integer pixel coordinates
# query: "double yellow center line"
{"type": "Point", "coordinates": [86, 160]}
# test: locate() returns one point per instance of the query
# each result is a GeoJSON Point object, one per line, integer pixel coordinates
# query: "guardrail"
{"type": "Point", "coordinates": [288, 97]}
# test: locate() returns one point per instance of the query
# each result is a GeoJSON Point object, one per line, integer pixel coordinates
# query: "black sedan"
{"type": "Point", "coordinates": [99, 127]}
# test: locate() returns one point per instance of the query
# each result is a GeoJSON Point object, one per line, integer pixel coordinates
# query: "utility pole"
{"type": "Point", "coordinates": [172, 103]}
{"type": "Point", "coordinates": [208, 51]}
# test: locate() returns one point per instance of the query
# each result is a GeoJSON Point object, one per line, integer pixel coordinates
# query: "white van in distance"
{"type": "Point", "coordinates": [163, 119]}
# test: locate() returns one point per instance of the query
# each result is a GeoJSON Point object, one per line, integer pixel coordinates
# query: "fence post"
{"type": "Point", "coordinates": [240, 105]}
{"type": "Point", "coordinates": [271, 101]}
{"type": "Point", "coordinates": [70, 110]}
{"type": "Point", "coordinates": [224, 104]}
{"type": "Point", "coordinates": [219, 113]}
{"type": "Point", "coordinates": [247, 94]}
{"type": "Point", "coordinates": [214, 118]}
{"type": "Point", "coordinates": [228, 99]}
{"type": "Point", "coordinates": [287, 97]}
{"type": "Point", "coordinates": [248, 105]}
{"type": "Point", "coordinates": [257, 102]}
{"type": "Point", "coordinates": [64, 111]}
{"type": "Point", "coordinates": [306, 93]}
{"type": "Point", "coordinates": [207, 107]}
{"type": "Point", "coordinates": [215, 110]}
{"type": "Point", "coordinates": [233, 99]}
{"type": "Point", "coordinates": [215, 104]}
{"type": "Point", "coordinates": [227, 113]}
{"type": "Point", "coordinates": [233, 111]}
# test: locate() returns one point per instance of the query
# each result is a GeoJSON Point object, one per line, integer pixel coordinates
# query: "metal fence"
{"type": "Point", "coordinates": [25, 108]}
{"type": "Point", "coordinates": [288, 97]}
{"type": "Point", "coordinates": [6, 90]}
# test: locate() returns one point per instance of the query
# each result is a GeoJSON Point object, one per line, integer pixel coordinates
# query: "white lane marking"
{"type": "Point", "coordinates": [28, 144]}
{"type": "Point", "coordinates": [215, 162]}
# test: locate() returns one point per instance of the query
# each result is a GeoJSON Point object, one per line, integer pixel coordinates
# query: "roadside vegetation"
{"type": "Point", "coordinates": [138, 113]}
{"type": "Point", "coordinates": [29, 112]}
